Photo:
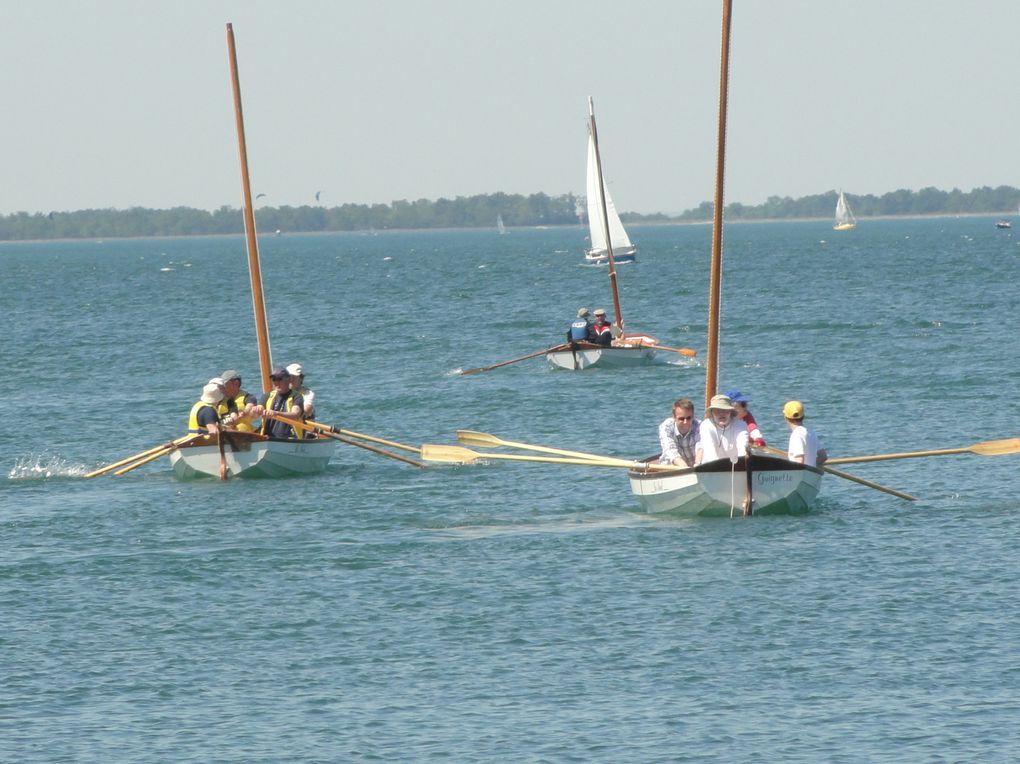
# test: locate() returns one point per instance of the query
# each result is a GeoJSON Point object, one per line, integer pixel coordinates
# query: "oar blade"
{"type": "Point", "coordinates": [997, 447]}
{"type": "Point", "coordinates": [475, 438]}
{"type": "Point", "coordinates": [432, 452]}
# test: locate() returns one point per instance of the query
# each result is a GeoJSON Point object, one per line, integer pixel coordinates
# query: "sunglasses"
{"type": "Point", "coordinates": [684, 418]}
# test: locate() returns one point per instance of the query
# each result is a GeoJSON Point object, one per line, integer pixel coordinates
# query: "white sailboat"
{"type": "Point", "coordinates": [753, 483]}
{"type": "Point", "coordinates": [623, 250]}
{"type": "Point", "coordinates": [845, 220]}
{"type": "Point", "coordinates": [242, 454]}
{"type": "Point", "coordinates": [627, 349]}
{"type": "Point", "coordinates": [499, 225]}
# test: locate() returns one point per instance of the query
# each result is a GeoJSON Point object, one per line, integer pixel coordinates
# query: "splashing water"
{"type": "Point", "coordinates": [39, 467]}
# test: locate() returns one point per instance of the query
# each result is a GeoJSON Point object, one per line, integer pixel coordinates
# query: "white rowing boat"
{"type": "Point", "coordinates": [719, 488]}
{"type": "Point", "coordinates": [618, 356]}
{"type": "Point", "coordinates": [250, 455]}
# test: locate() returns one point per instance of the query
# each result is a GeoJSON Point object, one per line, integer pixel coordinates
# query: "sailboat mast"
{"type": "Point", "coordinates": [254, 268]}
{"type": "Point", "coordinates": [715, 282]}
{"type": "Point", "coordinates": [605, 214]}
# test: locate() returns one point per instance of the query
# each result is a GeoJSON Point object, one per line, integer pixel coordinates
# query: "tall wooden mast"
{"type": "Point", "coordinates": [254, 267]}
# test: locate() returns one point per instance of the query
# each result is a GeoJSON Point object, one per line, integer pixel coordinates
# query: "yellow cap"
{"type": "Point", "coordinates": [793, 410]}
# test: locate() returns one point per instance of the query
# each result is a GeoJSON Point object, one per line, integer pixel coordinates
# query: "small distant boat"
{"type": "Point", "coordinates": [845, 220]}
{"type": "Point", "coordinates": [623, 250]}
{"type": "Point", "coordinates": [1003, 224]}
{"type": "Point", "coordinates": [499, 225]}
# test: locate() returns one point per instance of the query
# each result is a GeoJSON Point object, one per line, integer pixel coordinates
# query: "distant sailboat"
{"type": "Point", "coordinates": [845, 220]}
{"type": "Point", "coordinates": [499, 225]}
{"type": "Point", "coordinates": [623, 250]}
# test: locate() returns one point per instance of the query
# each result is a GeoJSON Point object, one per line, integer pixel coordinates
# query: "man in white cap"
{"type": "Point", "coordinates": [602, 331]}
{"type": "Point", "coordinates": [297, 384]}
{"type": "Point", "coordinates": [721, 435]}
{"type": "Point", "coordinates": [204, 417]}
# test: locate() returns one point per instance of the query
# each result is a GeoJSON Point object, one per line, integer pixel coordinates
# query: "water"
{"type": "Point", "coordinates": [509, 611]}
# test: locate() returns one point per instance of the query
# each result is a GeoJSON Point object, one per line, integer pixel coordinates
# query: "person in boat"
{"type": "Point", "coordinates": [581, 329]}
{"type": "Point", "coordinates": [297, 383]}
{"type": "Point", "coordinates": [237, 409]}
{"type": "Point", "coordinates": [740, 401]}
{"type": "Point", "coordinates": [602, 330]}
{"type": "Point", "coordinates": [205, 416]}
{"type": "Point", "coordinates": [678, 435]}
{"type": "Point", "coordinates": [283, 400]}
{"type": "Point", "coordinates": [721, 435]}
{"type": "Point", "coordinates": [804, 446]}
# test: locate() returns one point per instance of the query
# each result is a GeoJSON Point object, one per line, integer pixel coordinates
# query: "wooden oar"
{"type": "Point", "coordinates": [147, 452]}
{"type": "Point", "coordinates": [327, 428]}
{"type": "Point", "coordinates": [689, 352]}
{"type": "Point", "coordinates": [986, 448]}
{"type": "Point", "coordinates": [537, 353]}
{"type": "Point", "coordinates": [853, 478]}
{"type": "Point", "coordinates": [150, 457]}
{"type": "Point", "coordinates": [460, 455]}
{"type": "Point", "coordinates": [374, 449]}
{"type": "Point", "coordinates": [485, 440]}
{"type": "Point", "coordinates": [223, 453]}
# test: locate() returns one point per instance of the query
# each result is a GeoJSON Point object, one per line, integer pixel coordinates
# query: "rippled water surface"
{"type": "Point", "coordinates": [508, 611]}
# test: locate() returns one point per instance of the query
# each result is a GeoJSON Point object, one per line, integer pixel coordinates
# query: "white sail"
{"type": "Point", "coordinates": [845, 219]}
{"type": "Point", "coordinates": [618, 236]}
{"type": "Point", "coordinates": [499, 224]}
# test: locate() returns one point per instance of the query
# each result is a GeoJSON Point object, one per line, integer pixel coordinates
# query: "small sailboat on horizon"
{"type": "Point", "coordinates": [845, 220]}
{"type": "Point", "coordinates": [500, 228]}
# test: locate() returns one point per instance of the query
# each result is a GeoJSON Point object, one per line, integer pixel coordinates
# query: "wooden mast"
{"type": "Point", "coordinates": [618, 317]}
{"type": "Point", "coordinates": [715, 283]}
{"type": "Point", "coordinates": [254, 268]}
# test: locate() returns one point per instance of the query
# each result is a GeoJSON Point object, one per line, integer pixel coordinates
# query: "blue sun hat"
{"type": "Point", "coordinates": [737, 397]}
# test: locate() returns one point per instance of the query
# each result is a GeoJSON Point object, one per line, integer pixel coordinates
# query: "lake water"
{"type": "Point", "coordinates": [510, 611]}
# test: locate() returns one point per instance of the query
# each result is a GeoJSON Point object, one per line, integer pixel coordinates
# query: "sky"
{"type": "Point", "coordinates": [123, 103]}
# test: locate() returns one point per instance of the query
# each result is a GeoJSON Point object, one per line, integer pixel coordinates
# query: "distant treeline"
{"type": "Point", "coordinates": [478, 211]}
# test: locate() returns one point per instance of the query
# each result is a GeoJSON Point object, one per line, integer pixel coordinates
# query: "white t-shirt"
{"type": "Point", "coordinates": [804, 443]}
{"type": "Point", "coordinates": [727, 442]}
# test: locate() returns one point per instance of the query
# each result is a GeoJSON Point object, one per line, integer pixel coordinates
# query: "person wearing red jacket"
{"type": "Point", "coordinates": [740, 402]}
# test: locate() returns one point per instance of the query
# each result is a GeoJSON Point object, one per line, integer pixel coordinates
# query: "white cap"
{"type": "Point", "coordinates": [295, 370]}
{"type": "Point", "coordinates": [212, 394]}
{"type": "Point", "coordinates": [218, 381]}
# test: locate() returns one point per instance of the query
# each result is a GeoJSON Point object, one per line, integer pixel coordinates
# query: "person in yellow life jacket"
{"type": "Point", "coordinates": [204, 416]}
{"type": "Point", "coordinates": [297, 384]}
{"type": "Point", "coordinates": [283, 400]}
{"type": "Point", "coordinates": [237, 409]}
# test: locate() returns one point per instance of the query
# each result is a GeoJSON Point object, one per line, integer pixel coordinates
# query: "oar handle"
{"type": "Point", "coordinates": [328, 428]}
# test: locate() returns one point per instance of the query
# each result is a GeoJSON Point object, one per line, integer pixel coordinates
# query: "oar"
{"type": "Point", "coordinates": [152, 457]}
{"type": "Point", "coordinates": [460, 455]}
{"type": "Point", "coordinates": [328, 428]}
{"type": "Point", "coordinates": [147, 452]}
{"type": "Point", "coordinates": [986, 448]}
{"type": "Point", "coordinates": [689, 352]}
{"type": "Point", "coordinates": [553, 349]}
{"type": "Point", "coordinates": [223, 453]}
{"type": "Point", "coordinates": [374, 449]}
{"type": "Point", "coordinates": [853, 478]}
{"type": "Point", "coordinates": [485, 440]}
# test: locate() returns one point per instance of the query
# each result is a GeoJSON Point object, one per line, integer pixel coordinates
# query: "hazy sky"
{"type": "Point", "coordinates": [120, 103]}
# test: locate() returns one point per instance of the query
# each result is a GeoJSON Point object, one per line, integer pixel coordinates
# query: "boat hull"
{"type": "Point", "coordinates": [717, 489]}
{"type": "Point", "coordinates": [252, 456]}
{"type": "Point", "coordinates": [604, 357]}
{"type": "Point", "coordinates": [844, 227]}
{"type": "Point", "coordinates": [600, 257]}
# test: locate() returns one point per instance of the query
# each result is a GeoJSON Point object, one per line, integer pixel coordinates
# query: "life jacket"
{"type": "Point", "coordinates": [193, 417]}
{"type": "Point", "coordinates": [603, 333]}
{"type": "Point", "coordinates": [579, 330]}
{"type": "Point", "coordinates": [244, 424]}
{"type": "Point", "coordinates": [298, 431]}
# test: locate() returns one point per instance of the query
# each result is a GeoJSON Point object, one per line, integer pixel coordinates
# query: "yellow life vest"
{"type": "Point", "coordinates": [243, 424]}
{"type": "Point", "coordinates": [193, 417]}
{"type": "Point", "coordinates": [299, 432]}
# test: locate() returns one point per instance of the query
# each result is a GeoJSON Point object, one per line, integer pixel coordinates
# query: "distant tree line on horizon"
{"type": "Point", "coordinates": [479, 211]}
